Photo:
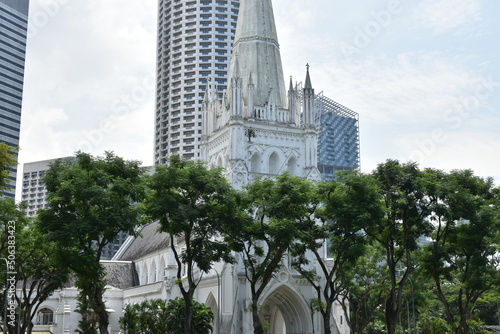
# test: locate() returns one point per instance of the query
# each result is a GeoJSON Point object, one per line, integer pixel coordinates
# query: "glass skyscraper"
{"type": "Point", "coordinates": [194, 46]}
{"type": "Point", "coordinates": [338, 146]}
{"type": "Point", "coordinates": [13, 32]}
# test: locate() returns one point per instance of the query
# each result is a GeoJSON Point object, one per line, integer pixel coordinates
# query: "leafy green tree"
{"type": "Point", "coordinates": [192, 205]}
{"type": "Point", "coordinates": [155, 316]}
{"type": "Point", "coordinates": [31, 257]}
{"type": "Point", "coordinates": [487, 307]}
{"type": "Point", "coordinates": [176, 314]}
{"type": "Point", "coordinates": [13, 222]}
{"type": "Point", "coordinates": [38, 275]}
{"type": "Point", "coordinates": [462, 259]}
{"type": "Point", "coordinates": [435, 325]}
{"type": "Point", "coordinates": [147, 317]}
{"type": "Point", "coordinates": [279, 209]}
{"type": "Point", "coordinates": [404, 191]}
{"type": "Point", "coordinates": [348, 205]}
{"type": "Point", "coordinates": [90, 200]}
{"type": "Point", "coordinates": [365, 283]}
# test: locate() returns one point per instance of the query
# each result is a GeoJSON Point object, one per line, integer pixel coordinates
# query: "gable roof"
{"type": "Point", "coordinates": [150, 240]}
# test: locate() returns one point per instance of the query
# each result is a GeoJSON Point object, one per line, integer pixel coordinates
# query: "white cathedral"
{"type": "Point", "coordinates": [255, 129]}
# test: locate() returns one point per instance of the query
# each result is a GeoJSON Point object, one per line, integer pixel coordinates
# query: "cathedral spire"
{"type": "Point", "coordinates": [256, 44]}
{"type": "Point", "coordinates": [308, 78]}
{"type": "Point", "coordinates": [309, 101]}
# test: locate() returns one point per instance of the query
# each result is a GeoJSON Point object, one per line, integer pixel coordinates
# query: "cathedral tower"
{"type": "Point", "coordinates": [252, 131]}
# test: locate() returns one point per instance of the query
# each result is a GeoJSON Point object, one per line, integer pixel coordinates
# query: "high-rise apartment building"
{"type": "Point", "coordinates": [13, 33]}
{"type": "Point", "coordinates": [33, 192]}
{"type": "Point", "coordinates": [194, 47]}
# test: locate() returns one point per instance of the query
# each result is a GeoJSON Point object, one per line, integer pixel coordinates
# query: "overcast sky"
{"type": "Point", "coordinates": [424, 76]}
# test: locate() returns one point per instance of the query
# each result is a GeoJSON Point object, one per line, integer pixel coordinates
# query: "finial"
{"type": "Point", "coordinates": [307, 65]}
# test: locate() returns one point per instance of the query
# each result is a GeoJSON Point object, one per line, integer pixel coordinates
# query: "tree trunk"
{"type": "Point", "coordinates": [29, 330]}
{"type": "Point", "coordinates": [327, 318]}
{"type": "Point", "coordinates": [99, 307]}
{"type": "Point", "coordinates": [390, 316]}
{"type": "Point", "coordinates": [103, 318]}
{"type": "Point", "coordinates": [189, 315]}
{"type": "Point", "coordinates": [326, 324]}
{"type": "Point", "coordinates": [257, 325]}
{"type": "Point", "coordinates": [103, 329]}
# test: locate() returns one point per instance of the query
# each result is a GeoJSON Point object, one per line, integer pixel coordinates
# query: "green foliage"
{"type": "Point", "coordinates": [365, 282]}
{"type": "Point", "coordinates": [317, 305]}
{"type": "Point", "coordinates": [90, 200]}
{"type": "Point", "coordinates": [193, 202]}
{"type": "Point", "coordinates": [176, 314]}
{"type": "Point", "coordinates": [157, 317]}
{"type": "Point", "coordinates": [148, 317]}
{"type": "Point", "coordinates": [434, 325]}
{"type": "Point", "coordinates": [375, 327]}
{"type": "Point", "coordinates": [487, 307]}
{"type": "Point", "coordinates": [462, 258]}
{"type": "Point", "coordinates": [37, 272]}
{"type": "Point", "coordinates": [279, 208]}
{"type": "Point", "coordinates": [476, 327]}
{"type": "Point", "coordinates": [7, 161]}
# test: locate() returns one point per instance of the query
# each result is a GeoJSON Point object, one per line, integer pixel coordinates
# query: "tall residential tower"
{"type": "Point", "coordinates": [194, 48]}
{"type": "Point", "coordinates": [13, 33]}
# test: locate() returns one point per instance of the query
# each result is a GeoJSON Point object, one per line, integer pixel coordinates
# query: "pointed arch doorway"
{"type": "Point", "coordinates": [284, 311]}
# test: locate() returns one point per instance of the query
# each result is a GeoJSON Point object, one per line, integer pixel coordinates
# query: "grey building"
{"type": "Point", "coordinates": [193, 47]}
{"type": "Point", "coordinates": [13, 33]}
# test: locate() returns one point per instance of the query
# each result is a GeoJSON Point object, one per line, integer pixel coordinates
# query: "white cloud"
{"type": "Point", "coordinates": [96, 61]}
{"type": "Point", "coordinates": [402, 101]}
{"type": "Point", "coordinates": [467, 148]}
{"type": "Point", "coordinates": [443, 16]}
{"type": "Point", "coordinates": [415, 87]}
{"type": "Point", "coordinates": [39, 140]}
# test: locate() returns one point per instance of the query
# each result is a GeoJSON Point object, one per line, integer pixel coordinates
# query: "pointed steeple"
{"type": "Point", "coordinates": [308, 79]}
{"type": "Point", "coordinates": [309, 98]}
{"type": "Point", "coordinates": [256, 44]}
{"type": "Point", "coordinates": [291, 101]}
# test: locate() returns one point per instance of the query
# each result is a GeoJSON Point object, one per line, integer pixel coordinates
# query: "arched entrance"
{"type": "Point", "coordinates": [285, 312]}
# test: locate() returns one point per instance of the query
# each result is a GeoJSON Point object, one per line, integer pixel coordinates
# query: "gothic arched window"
{"type": "Point", "coordinates": [292, 166]}
{"type": "Point", "coordinates": [255, 163]}
{"type": "Point", "coordinates": [45, 317]}
{"type": "Point", "coordinates": [273, 164]}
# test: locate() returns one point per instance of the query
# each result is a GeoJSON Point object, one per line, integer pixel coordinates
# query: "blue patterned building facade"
{"type": "Point", "coordinates": [13, 33]}
{"type": "Point", "coordinates": [338, 144]}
